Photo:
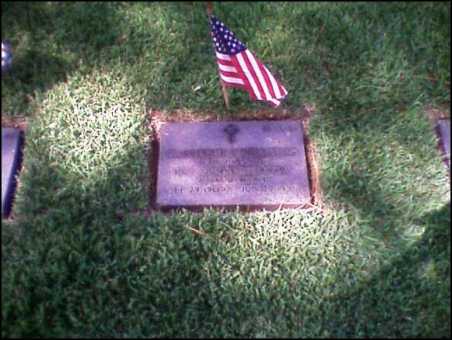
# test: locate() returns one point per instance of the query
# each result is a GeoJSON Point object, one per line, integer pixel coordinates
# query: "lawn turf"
{"type": "Point", "coordinates": [81, 259]}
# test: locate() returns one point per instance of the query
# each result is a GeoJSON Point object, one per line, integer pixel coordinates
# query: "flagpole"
{"type": "Point", "coordinates": [209, 9]}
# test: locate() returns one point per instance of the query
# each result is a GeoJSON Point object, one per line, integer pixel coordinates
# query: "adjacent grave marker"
{"type": "Point", "coordinates": [10, 164]}
{"type": "Point", "coordinates": [251, 164]}
{"type": "Point", "coordinates": [444, 130]}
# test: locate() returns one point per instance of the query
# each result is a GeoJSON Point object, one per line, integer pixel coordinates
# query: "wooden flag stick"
{"type": "Point", "coordinates": [209, 9]}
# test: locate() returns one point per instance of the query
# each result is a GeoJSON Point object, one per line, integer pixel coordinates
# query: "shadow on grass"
{"type": "Point", "coordinates": [24, 81]}
{"type": "Point", "coordinates": [78, 269]}
{"type": "Point", "coordinates": [389, 171]}
{"type": "Point", "coordinates": [50, 41]}
{"type": "Point", "coordinates": [188, 79]}
{"type": "Point", "coordinates": [59, 252]}
{"type": "Point", "coordinates": [406, 297]}
{"type": "Point", "coordinates": [370, 109]}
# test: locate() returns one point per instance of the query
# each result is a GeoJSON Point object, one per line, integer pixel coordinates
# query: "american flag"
{"type": "Point", "coordinates": [240, 68]}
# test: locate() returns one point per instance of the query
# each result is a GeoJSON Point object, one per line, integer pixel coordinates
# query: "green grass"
{"type": "Point", "coordinates": [80, 259]}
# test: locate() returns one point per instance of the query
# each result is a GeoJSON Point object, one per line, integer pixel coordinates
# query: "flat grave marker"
{"type": "Point", "coordinates": [10, 163]}
{"type": "Point", "coordinates": [226, 164]}
{"type": "Point", "coordinates": [444, 131]}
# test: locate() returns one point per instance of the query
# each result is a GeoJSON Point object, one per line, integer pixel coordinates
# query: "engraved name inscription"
{"type": "Point", "coordinates": [242, 152]}
{"type": "Point", "coordinates": [244, 169]}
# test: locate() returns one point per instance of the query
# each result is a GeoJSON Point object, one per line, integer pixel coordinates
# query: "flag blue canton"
{"type": "Point", "coordinates": [224, 40]}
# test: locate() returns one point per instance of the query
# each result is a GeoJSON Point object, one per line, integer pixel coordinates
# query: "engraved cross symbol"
{"type": "Point", "coordinates": [231, 130]}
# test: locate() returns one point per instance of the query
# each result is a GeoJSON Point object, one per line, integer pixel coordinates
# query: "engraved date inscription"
{"type": "Point", "coordinates": [245, 170]}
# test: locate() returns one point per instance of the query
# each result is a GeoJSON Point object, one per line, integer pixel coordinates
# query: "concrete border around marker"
{"type": "Point", "coordinates": [435, 115]}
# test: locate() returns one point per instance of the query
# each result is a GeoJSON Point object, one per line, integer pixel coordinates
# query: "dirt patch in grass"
{"type": "Point", "coordinates": [436, 113]}
{"type": "Point", "coordinates": [14, 122]}
{"type": "Point", "coordinates": [311, 158]}
{"type": "Point", "coordinates": [305, 113]}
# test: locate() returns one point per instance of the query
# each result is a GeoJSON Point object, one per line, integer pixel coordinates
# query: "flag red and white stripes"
{"type": "Point", "coordinates": [244, 70]}
{"type": "Point", "coordinates": [240, 68]}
